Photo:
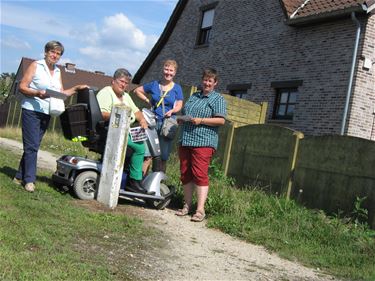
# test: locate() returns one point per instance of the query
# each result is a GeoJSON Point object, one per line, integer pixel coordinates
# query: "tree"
{"type": "Point", "coordinates": [6, 81]}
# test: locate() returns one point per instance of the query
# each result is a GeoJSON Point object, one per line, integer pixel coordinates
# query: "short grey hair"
{"type": "Point", "coordinates": [122, 72]}
{"type": "Point", "coordinates": [53, 45]}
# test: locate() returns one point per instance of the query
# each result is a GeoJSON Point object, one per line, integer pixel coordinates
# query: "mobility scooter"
{"type": "Point", "coordinates": [84, 122]}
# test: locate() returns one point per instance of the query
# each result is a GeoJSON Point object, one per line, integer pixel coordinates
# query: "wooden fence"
{"type": "Point", "coordinates": [323, 172]}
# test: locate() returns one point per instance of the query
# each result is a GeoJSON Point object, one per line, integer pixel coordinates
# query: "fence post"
{"type": "Point", "coordinates": [298, 136]}
{"type": "Point", "coordinates": [14, 113]}
{"type": "Point", "coordinates": [53, 124]}
{"type": "Point", "coordinates": [193, 89]}
{"type": "Point", "coordinates": [228, 148]}
{"type": "Point", "coordinates": [8, 115]}
{"type": "Point", "coordinates": [263, 112]}
{"type": "Point", "coordinates": [114, 156]}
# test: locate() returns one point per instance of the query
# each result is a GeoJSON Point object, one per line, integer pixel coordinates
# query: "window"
{"type": "Point", "coordinates": [238, 93]}
{"type": "Point", "coordinates": [206, 23]}
{"type": "Point", "coordinates": [285, 103]}
{"type": "Point", "coordinates": [238, 90]}
{"type": "Point", "coordinates": [286, 98]}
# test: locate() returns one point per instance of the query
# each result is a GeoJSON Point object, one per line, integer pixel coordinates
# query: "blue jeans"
{"type": "Point", "coordinates": [34, 125]}
{"type": "Point", "coordinates": [165, 143]}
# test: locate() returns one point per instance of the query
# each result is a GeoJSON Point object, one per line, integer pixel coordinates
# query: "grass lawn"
{"type": "Point", "coordinates": [45, 228]}
{"type": "Point", "coordinates": [46, 235]}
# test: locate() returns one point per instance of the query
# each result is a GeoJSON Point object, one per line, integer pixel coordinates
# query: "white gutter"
{"type": "Point", "coordinates": [299, 8]}
{"type": "Point", "coordinates": [349, 92]}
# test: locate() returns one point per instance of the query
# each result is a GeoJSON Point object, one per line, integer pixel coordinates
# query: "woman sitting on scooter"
{"type": "Point", "coordinates": [116, 94]}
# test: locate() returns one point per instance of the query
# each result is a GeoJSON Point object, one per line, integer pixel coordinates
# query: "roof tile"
{"type": "Point", "coordinates": [303, 8]}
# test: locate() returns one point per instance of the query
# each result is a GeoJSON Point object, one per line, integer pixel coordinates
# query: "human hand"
{"type": "Point", "coordinates": [80, 87]}
{"type": "Point", "coordinates": [41, 94]}
{"type": "Point", "coordinates": [183, 118]}
{"type": "Point", "coordinates": [196, 121]}
{"type": "Point", "coordinates": [143, 124]}
{"type": "Point", "coordinates": [168, 113]}
{"type": "Point", "coordinates": [75, 89]}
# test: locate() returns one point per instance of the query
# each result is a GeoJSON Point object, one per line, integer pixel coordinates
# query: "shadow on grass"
{"type": "Point", "coordinates": [9, 171]}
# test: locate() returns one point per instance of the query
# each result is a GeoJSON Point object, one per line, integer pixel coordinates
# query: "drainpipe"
{"type": "Point", "coordinates": [351, 72]}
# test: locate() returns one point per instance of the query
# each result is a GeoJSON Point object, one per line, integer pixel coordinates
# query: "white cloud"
{"type": "Point", "coordinates": [108, 60]}
{"type": "Point", "coordinates": [15, 43]}
{"type": "Point", "coordinates": [104, 44]}
{"type": "Point", "coordinates": [117, 43]}
{"type": "Point", "coordinates": [118, 29]}
{"type": "Point", "coordinates": [33, 20]}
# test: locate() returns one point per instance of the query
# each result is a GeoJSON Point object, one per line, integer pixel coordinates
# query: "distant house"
{"type": "Point", "coordinates": [311, 60]}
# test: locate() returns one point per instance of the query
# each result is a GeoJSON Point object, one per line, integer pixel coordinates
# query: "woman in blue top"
{"type": "Point", "coordinates": [166, 98]}
{"type": "Point", "coordinates": [39, 76]}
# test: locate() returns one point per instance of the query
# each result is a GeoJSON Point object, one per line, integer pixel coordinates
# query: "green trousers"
{"type": "Point", "coordinates": [136, 161]}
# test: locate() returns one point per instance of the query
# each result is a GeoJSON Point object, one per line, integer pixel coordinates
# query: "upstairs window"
{"type": "Point", "coordinates": [285, 103]}
{"type": "Point", "coordinates": [207, 20]}
{"type": "Point", "coordinates": [286, 99]}
{"type": "Point", "coordinates": [238, 90]}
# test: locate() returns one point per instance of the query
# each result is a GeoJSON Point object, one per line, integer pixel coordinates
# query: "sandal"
{"type": "Point", "coordinates": [184, 211]}
{"type": "Point", "coordinates": [198, 216]}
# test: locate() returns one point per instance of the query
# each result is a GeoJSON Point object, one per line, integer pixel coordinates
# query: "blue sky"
{"type": "Point", "coordinates": [97, 35]}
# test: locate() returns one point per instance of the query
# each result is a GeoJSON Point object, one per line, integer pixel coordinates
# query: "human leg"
{"type": "Point", "coordinates": [34, 125]}
{"type": "Point", "coordinates": [146, 165]}
{"type": "Point", "coordinates": [147, 160]}
{"type": "Point", "coordinates": [186, 179]}
{"type": "Point", "coordinates": [201, 158]}
{"type": "Point", "coordinates": [202, 193]}
{"type": "Point", "coordinates": [165, 148]}
{"type": "Point", "coordinates": [136, 160]}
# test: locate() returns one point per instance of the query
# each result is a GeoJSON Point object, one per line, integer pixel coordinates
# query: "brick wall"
{"type": "Point", "coordinates": [250, 43]}
{"type": "Point", "coordinates": [362, 114]}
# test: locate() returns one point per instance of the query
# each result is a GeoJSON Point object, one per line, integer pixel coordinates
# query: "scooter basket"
{"type": "Point", "coordinates": [74, 121]}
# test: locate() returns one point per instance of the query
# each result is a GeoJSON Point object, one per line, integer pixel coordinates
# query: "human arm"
{"type": "Point", "coordinates": [26, 80]}
{"type": "Point", "coordinates": [209, 121]}
{"type": "Point", "coordinates": [141, 119]}
{"type": "Point", "coordinates": [105, 102]}
{"type": "Point", "coordinates": [141, 94]}
{"type": "Point", "coordinates": [177, 107]}
{"type": "Point", "coordinates": [71, 91]}
{"type": "Point", "coordinates": [106, 115]}
{"type": "Point", "coordinates": [178, 103]}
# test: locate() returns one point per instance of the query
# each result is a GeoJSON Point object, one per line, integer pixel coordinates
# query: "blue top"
{"type": "Point", "coordinates": [173, 95]}
{"type": "Point", "coordinates": [201, 106]}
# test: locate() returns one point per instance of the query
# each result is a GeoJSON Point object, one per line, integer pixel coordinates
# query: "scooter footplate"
{"type": "Point", "coordinates": [139, 195]}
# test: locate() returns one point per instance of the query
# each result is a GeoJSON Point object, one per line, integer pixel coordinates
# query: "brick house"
{"type": "Point", "coordinates": [311, 60]}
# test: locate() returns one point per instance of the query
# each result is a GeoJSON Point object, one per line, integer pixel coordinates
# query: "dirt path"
{"type": "Point", "coordinates": [194, 252]}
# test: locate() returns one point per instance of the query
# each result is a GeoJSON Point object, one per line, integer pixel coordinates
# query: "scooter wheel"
{"type": "Point", "coordinates": [85, 185]}
{"type": "Point", "coordinates": [161, 204]}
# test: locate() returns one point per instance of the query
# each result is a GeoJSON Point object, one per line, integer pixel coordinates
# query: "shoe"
{"type": "Point", "coordinates": [30, 187]}
{"type": "Point", "coordinates": [135, 186]}
{"type": "Point", "coordinates": [184, 211]}
{"type": "Point", "coordinates": [17, 181]}
{"type": "Point", "coordinates": [198, 216]}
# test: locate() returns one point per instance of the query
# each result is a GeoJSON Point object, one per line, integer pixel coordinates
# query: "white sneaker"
{"type": "Point", "coordinates": [17, 181]}
{"type": "Point", "coordinates": [30, 187]}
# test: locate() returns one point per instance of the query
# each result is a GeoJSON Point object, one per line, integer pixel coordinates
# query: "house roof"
{"type": "Point", "coordinates": [297, 12]}
{"type": "Point", "coordinates": [70, 76]}
{"type": "Point", "coordinates": [161, 41]}
{"type": "Point", "coordinates": [306, 11]}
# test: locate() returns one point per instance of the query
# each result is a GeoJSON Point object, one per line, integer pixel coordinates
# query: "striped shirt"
{"type": "Point", "coordinates": [201, 106]}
